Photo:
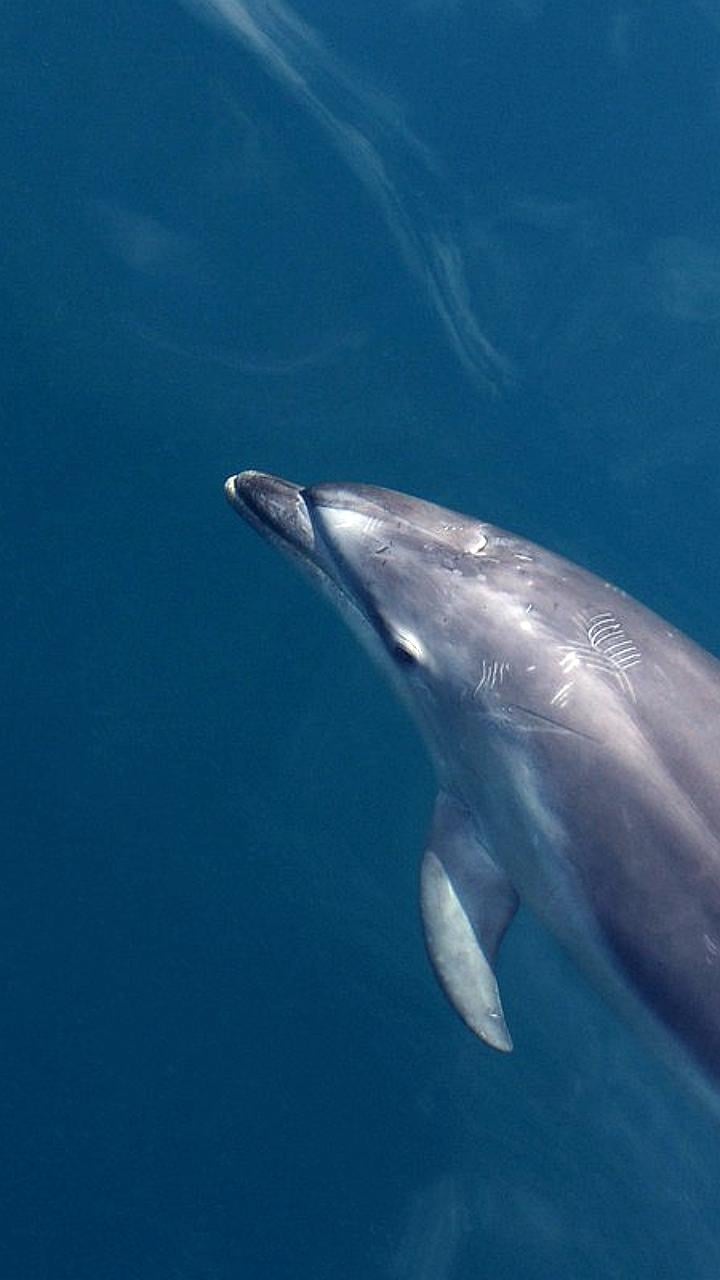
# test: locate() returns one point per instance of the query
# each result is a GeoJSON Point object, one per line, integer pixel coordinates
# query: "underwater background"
{"type": "Point", "coordinates": [465, 248]}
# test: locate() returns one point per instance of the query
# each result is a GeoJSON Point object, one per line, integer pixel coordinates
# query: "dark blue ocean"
{"type": "Point", "coordinates": [465, 248]}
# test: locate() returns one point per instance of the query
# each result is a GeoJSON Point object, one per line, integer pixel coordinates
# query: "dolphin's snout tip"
{"type": "Point", "coordinates": [272, 506]}
{"type": "Point", "coordinates": [245, 485]}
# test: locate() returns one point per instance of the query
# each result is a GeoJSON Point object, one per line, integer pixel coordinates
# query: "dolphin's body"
{"type": "Point", "coordinates": [576, 740]}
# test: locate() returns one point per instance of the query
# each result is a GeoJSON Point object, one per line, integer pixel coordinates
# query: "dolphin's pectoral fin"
{"type": "Point", "coordinates": [467, 903]}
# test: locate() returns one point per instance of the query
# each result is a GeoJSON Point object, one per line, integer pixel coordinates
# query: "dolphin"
{"type": "Point", "coordinates": [575, 737]}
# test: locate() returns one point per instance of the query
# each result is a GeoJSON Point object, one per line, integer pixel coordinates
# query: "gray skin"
{"type": "Point", "coordinates": [576, 741]}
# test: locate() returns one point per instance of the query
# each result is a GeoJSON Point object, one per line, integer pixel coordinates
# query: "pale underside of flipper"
{"type": "Point", "coordinates": [467, 903]}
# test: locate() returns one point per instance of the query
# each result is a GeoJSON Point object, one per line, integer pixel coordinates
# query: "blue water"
{"type": "Point", "coordinates": [470, 250]}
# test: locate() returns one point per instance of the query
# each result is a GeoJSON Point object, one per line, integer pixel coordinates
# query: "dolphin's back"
{"type": "Point", "coordinates": [641, 810]}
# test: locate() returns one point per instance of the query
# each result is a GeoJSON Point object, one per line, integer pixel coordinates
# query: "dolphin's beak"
{"type": "Point", "coordinates": [276, 508]}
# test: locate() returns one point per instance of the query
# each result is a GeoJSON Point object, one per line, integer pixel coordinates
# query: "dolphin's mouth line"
{"type": "Point", "coordinates": [515, 716]}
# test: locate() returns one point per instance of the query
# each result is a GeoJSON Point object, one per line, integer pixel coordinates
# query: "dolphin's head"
{"type": "Point", "coordinates": [435, 596]}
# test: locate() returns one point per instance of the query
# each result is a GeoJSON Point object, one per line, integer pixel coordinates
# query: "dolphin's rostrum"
{"type": "Point", "coordinates": [576, 741]}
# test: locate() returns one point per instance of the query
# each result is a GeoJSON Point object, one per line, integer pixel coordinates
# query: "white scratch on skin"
{"type": "Point", "coordinates": [605, 648]}
{"type": "Point", "coordinates": [712, 948]}
{"type": "Point", "coordinates": [560, 698]}
{"type": "Point", "coordinates": [603, 627]}
{"type": "Point", "coordinates": [491, 676]}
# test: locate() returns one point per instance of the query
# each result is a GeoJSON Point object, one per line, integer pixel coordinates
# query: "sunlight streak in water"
{"type": "Point", "coordinates": [368, 131]}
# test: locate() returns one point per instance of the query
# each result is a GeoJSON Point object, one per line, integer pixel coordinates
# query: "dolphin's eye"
{"type": "Point", "coordinates": [404, 656]}
{"type": "Point", "coordinates": [406, 652]}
